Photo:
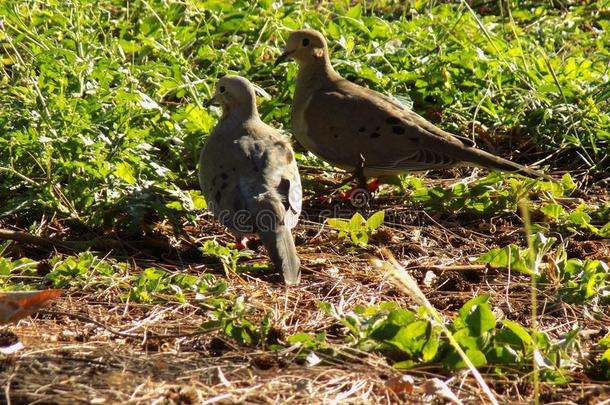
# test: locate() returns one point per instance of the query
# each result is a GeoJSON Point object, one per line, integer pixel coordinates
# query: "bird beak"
{"type": "Point", "coordinates": [210, 102]}
{"type": "Point", "coordinates": [283, 57]}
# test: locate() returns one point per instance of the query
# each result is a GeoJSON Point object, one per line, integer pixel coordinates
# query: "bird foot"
{"type": "Point", "coordinates": [242, 243]}
{"type": "Point", "coordinates": [359, 196]}
{"type": "Point", "coordinates": [366, 188]}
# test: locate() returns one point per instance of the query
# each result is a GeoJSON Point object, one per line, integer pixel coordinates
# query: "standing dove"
{"type": "Point", "coordinates": [249, 176]}
{"type": "Point", "coordinates": [361, 130]}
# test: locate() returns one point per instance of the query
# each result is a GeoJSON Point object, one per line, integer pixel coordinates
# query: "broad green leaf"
{"type": "Point", "coordinates": [405, 364]}
{"type": "Point", "coordinates": [454, 361]}
{"type": "Point", "coordinates": [300, 337]}
{"type": "Point", "coordinates": [199, 202]}
{"type": "Point", "coordinates": [606, 357]}
{"type": "Point", "coordinates": [461, 321]}
{"type": "Point", "coordinates": [466, 340]}
{"type": "Point", "coordinates": [356, 223]}
{"type": "Point", "coordinates": [401, 317]}
{"type": "Point", "coordinates": [375, 220]}
{"type": "Point", "coordinates": [431, 347]}
{"type": "Point", "coordinates": [354, 12]}
{"type": "Point", "coordinates": [338, 224]}
{"type": "Point", "coordinates": [520, 332]}
{"type": "Point", "coordinates": [125, 172]}
{"type": "Point", "coordinates": [508, 257]}
{"type": "Point", "coordinates": [579, 218]}
{"type": "Point", "coordinates": [567, 182]}
{"type": "Point", "coordinates": [481, 320]}
{"type": "Point", "coordinates": [554, 211]}
{"type": "Point", "coordinates": [502, 354]}
{"type": "Point", "coordinates": [411, 338]}
{"type": "Point", "coordinates": [558, 377]}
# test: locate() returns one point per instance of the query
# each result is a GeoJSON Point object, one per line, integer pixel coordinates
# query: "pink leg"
{"type": "Point", "coordinates": [241, 244]}
{"type": "Point", "coordinates": [371, 186]}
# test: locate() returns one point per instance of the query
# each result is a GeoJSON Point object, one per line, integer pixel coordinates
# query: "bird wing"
{"type": "Point", "coordinates": [279, 176]}
{"type": "Point", "coordinates": [347, 121]}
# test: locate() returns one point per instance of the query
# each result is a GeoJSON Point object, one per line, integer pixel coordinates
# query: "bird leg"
{"type": "Point", "coordinates": [361, 194]}
{"type": "Point", "coordinates": [359, 174]}
{"type": "Point", "coordinates": [241, 243]}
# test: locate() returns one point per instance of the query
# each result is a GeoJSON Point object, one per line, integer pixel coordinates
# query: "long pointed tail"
{"type": "Point", "coordinates": [280, 245]}
{"type": "Point", "coordinates": [485, 159]}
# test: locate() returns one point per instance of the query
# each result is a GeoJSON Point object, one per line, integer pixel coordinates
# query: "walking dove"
{"type": "Point", "coordinates": [361, 130]}
{"type": "Point", "coordinates": [249, 176]}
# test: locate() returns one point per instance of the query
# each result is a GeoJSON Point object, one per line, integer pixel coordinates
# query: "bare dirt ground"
{"type": "Point", "coordinates": [114, 351]}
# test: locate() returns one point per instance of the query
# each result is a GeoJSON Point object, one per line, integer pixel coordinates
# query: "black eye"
{"type": "Point", "coordinates": [221, 89]}
{"type": "Point", "coordinates": [305, 41]}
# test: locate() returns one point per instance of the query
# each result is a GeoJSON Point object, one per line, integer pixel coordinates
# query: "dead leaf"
{"type": "Point", "coordinates": [402, 384]}
{"type": "Point", "coordinates": [15, 305]}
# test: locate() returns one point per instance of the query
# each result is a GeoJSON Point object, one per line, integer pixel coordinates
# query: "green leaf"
{"type": "Point", "coordinates": [356, 223]}
{"type": "Point", "coordinates": [605, 343]}
{"type": "Point", "coordinates": [355, 12]}
{"type": "Point", "coordinates": [300, 337]}
{"type": "Point", "coordinates": [401, 317]}
{"type": "Point", "coordinates": [605, 358]}
{"type": "Point", "coordinates": [477, 358]}
{"type": "Point", "coordinates": [431, 347]}
{"type": "Point", "coordinates": [199, 202]}
{"type": "Point", "coordinates": [508, 257]}
{"type": "Point", "coordinates": [604, 231]}
{"type": "Point", "coordinates": [461, 321]}
{"type": "Point", "coordinates": [558, 377]}
{"type": "Point", "coordinates": [502, 355]}
{"type": "Point", "coordinates": [125, 172]}
{"type": "Point", "coordinates": [568, 183]}
{"type": "Point", "coordinates": [579, 218]}
{"type": "Point", "coordinates": [520, 332]}
{"type": "Point", "coordinates": [481, 320]}
{"type": "Point", "coordinates": [554, 211]}
{"type": "Point", "coordinates": [454, 361]}
{"type": "Point", "coordinates": [338, 224]}
{"type": "Point", "coordinates": [375, 220]}
{"type": "Point", "coordinates": [466, 340]}
{"type": "Point", "coordinates": [405, 364]}
{"type": "Point", "coordinates": [411, 338]}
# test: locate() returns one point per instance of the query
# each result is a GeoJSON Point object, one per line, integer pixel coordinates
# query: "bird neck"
{"type": "Point", "coordinates": [313, 76]}
{"type": "Point", "coordinates": [241, 112]}
{"type": "Point", "coordinates": [314, 73]}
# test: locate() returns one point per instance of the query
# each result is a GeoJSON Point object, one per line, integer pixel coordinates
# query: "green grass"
{"type": "Point", "coordinates": [102, 121]}
{"type": "Point", "coordinates": [103, 118]}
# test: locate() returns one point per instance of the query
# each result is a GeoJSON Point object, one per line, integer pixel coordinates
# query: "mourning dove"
{"type": "Point", "coordinates": [361, 130]}
{"type": "Point", "coordinates": [249, 176]}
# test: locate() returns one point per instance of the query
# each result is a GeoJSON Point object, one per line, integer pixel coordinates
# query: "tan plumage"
{"type": "Point", "coordinates": [351, 126]}
{"type": "Point", "coordinates": [249, 176]}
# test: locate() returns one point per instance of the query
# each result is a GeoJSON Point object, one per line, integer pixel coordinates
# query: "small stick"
{"type": "Point", "coordinates": [457, 267]}
{"type": "Point", "coordinates": [25, 237]}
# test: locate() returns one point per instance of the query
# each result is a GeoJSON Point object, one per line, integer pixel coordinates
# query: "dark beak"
{"type": "Point", "coordinates": [210, 102]}
{"type": "Point", "coordinates": [283, 58]}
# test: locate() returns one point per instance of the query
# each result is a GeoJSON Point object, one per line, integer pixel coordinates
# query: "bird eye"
{"type": "Point", "coordinates": [305, 41]}
{"type": "Point", "coordinates": [221, 89]}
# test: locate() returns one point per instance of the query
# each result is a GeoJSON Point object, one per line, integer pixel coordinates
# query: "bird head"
{"type": "Point", "coordinates": [233, 92]}
{"type": "Point", "coordinates": [304, 46]}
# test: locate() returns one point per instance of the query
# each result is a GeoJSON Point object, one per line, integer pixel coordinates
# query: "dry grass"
{"type": "Point", "coordinates": [68, 359]}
